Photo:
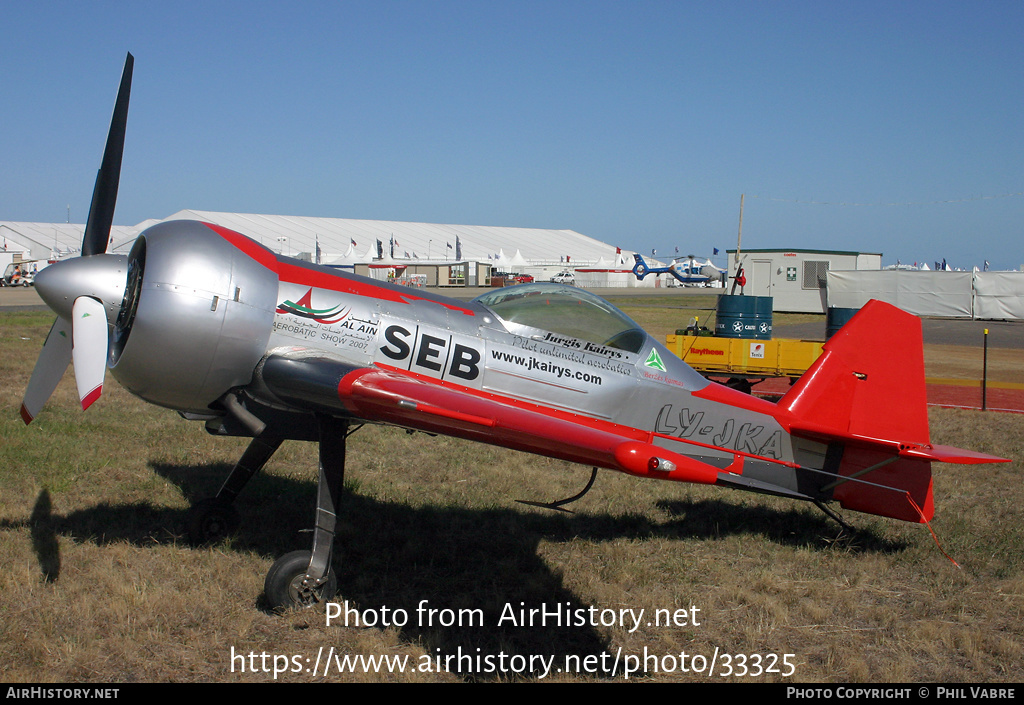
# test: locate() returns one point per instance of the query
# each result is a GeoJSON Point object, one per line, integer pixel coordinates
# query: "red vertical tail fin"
{"type": "Point", "coordinates": [865, 396]}
{"type": "Point", "coordinates": [869, 381]}
{"type": "Point", "coordinates": [867, 393]}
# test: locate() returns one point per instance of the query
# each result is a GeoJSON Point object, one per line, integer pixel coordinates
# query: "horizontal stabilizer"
{"type": "Point", "coordinates": [952, 454]}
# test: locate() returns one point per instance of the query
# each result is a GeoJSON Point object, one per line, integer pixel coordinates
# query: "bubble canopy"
{"type": "Point", "coordinates": [564, 310]}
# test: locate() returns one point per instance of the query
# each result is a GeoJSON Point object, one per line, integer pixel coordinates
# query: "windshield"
{"type": "Point", "coordinates": [567, 311]}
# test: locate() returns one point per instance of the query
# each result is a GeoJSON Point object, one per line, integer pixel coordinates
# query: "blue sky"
{"type": "Point", "coordinates": [891, 127]}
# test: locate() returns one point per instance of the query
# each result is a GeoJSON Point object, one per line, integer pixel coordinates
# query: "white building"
{"type": "Point", "coordinates": [796, 279]}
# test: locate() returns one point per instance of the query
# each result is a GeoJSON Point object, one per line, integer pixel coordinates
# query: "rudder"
{"type": "Point", "coordinates": [867, 393]}
{"type": "Point", "coordinates": [869, 380]}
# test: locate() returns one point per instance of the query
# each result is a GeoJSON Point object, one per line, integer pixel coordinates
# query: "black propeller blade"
{"type": "Point", "coordinates": [104, 194]}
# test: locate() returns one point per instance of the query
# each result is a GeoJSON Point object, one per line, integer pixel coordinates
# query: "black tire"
{"type": "Point", "coordinates": [211, 521]}
{"type": "Point", "coordinates": [284, 587]}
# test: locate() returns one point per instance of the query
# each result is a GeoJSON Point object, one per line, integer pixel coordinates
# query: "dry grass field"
{"type": "Point", "coordinates": [99, 585]}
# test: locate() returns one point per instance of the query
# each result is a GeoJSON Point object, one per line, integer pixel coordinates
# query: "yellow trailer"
{"type": "Point", "coordinates": [742, 357]}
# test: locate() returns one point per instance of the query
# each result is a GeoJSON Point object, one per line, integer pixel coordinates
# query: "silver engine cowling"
{"type": "Point", "coordinates": [196, 317]}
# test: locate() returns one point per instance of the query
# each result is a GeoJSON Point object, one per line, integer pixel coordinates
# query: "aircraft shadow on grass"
{"type": "Point", "coordinates": [392, 555]}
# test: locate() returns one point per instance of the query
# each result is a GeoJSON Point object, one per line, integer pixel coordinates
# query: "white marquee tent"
{"type": "Point", "coordinates": [346, 242]}
{"type": "Point", "coordinates": [294, 235]}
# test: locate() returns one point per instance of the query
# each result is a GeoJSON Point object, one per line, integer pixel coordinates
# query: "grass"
{"type": "Point", "coordinates": [99, 585]}
{"type": "Point", "coordinates": [661, 315]}
{"type": "Point", "coordinates": [950, 361]}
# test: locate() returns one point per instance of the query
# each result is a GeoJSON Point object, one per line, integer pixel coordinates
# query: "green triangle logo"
{"type": "Point", "coordinates": [654, 360]}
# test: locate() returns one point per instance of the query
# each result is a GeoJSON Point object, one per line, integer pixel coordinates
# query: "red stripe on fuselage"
{"type": "Point", "coordinates": [720, 394]}
{"type": "Point", "coordinates": [583, 422]}
{"type": "Point", "coordinates": [250, 247]}
{"type": "Point", "coordinates": [322, 278]}
{"type": "Point", "coordinates": [443, 386]}
{"type": "Point", "coordinates": [481, 416]}
{"type": "Point", "coordinates": [296, 274]}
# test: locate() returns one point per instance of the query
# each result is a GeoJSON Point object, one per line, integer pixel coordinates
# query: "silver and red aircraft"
{"type": "Point", "coordinates": [205, 321]}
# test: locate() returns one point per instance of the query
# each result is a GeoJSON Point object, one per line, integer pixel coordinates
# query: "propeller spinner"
{"type": "Point", "coordinates": [85, 292]}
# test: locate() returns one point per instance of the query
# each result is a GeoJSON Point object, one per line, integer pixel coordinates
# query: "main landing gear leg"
{"type": "Point", "coordinates": [305, 578]}
{"type": "Point", "coordinates": [216, 518]}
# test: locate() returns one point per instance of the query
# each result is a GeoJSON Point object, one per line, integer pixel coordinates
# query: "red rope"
{"type": "Point", "coordinates": [936, 538]}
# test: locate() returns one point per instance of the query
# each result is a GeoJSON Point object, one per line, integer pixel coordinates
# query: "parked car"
{"type": "Point", "coordinates": [523, 279]}
{"type": "Point", "coordinates": [565, 277]}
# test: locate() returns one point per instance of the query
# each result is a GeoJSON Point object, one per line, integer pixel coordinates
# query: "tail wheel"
{"type": "Point", "coordinates": [211, 521]}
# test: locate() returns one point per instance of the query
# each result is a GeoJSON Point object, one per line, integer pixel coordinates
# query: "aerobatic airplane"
{"type": "Point", "coordinates": [205, 321]}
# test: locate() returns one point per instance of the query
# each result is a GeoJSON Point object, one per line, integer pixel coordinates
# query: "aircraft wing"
{"type": "Point", "coordinates": [315, 382]}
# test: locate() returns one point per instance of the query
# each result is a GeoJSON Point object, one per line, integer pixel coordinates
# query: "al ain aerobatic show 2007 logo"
{"type": "Point", "coordinates": [304, 309]}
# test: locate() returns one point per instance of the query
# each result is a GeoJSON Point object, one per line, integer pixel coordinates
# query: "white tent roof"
{"type": "Point", "coordinates": [39, 240]}
{"type": "Point", "coordinates": [341, 239]}
{"type": "Point", "coordinates": [347, 260]}
{"type": "Point", "coordinates": [292, 235]}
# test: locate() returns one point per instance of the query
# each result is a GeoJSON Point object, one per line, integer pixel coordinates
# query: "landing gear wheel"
{"type": "Point", "coordinates": [211, 521]}
{"type": "Point", "coordinates": [286, 588]}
